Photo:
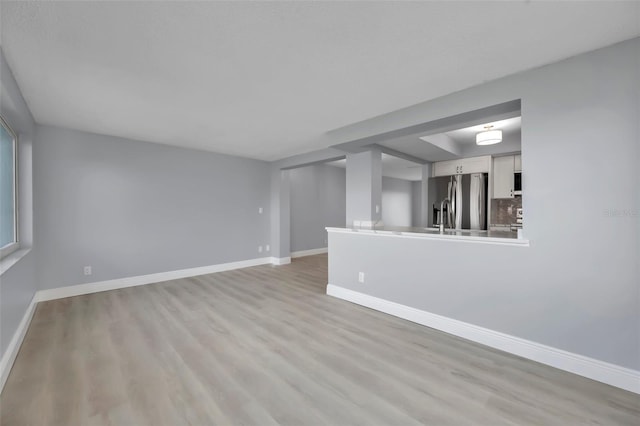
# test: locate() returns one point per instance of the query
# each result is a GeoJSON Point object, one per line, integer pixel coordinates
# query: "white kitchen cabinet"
{"type": "Point", "coordinates": [475, 165]}
{"type": "Point", "coordinates": [462, 166]}
{"type": "Point", "coordinates": [445, 168]}
{"type": "Point", "coordinates": [517, 163]}
{"type": "Point", "coordinates": [503, 179]}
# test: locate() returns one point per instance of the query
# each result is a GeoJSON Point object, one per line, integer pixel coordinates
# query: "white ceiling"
{"type": "Point", "coordinates": [459, 143]}
{"type": "Point", "coordinates": [394, 167]}
{"type": "Point", "coordinates": [268, 79]}
{"type": "Point", "coordinates": [467, 136]}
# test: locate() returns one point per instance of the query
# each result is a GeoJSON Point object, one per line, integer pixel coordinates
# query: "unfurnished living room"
{"type": "Point", "coordinates": [319, 212]}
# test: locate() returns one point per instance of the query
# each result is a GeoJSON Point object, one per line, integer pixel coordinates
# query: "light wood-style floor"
{"type": "Point", "coordinates": [265, 345]}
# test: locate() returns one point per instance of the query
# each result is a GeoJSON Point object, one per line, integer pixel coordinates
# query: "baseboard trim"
{"type": "Point", "coordinates": [9, 356]}
{"type": "Point", "coordinates": [601, 371]}
{"type": "Point", "coordinates": [310, 252]}
{"type": "Point", "coordinates": [96, 287]}
{"type": "Point", "coordinates": [281, 260]}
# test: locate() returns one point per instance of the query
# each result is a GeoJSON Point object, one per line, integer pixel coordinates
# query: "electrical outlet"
{"type": "Point", "coordinates": [267, 248]}
{"type": "Point", "coordinates": [87, 270]}
{"type": "Point", "coordinates": [377, 208]}
{"type": "Point", "coordinates": [259, 249]}
{"type": "Point", "coordinates": [361, 277]}
{"type": "Point", "coordinates": [260, 210]}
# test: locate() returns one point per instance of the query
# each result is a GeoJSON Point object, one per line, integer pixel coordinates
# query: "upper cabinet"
{"type": "Point", "coordinates": [517, 163]}
{"type": "Point", "coordinates": [504, 169]}
{"type": "Point", "coordinates": [462, 166]}
{"type": "Point", "coordinates": [445, 168]}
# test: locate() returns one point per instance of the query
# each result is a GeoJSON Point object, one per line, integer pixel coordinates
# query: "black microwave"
{"type": "Point", "coordinates": [517, 183]}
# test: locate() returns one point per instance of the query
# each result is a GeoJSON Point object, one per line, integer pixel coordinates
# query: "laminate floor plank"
{"type": "Point", "coordinates": [399, 392]}
{"type": "Point", "coordinates": [266, 346]}
{"type": "Point", "coordinates": [338, 386]}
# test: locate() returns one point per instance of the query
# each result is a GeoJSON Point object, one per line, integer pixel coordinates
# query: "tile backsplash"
{"type": "Point", "coordinates": [503, 210]}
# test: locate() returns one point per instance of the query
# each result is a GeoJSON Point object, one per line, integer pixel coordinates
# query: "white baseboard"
{"type": "Point", "coordinates": [80, 289]}
{"type": "Point", "coordinates": [601, 371]}
{"type": "Point", "coordinates": [310, 252]}
{"type": "Point", "coordinates": [11, 353]}
{"type": "Point", "coordinates": [281, 260]}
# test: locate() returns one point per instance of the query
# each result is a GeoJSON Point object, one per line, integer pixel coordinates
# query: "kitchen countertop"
{"type": "Point", "coordinates": [489, 237]}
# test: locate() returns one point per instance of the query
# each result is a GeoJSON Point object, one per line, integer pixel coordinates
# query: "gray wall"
{"type": "Point", "coordinates": [318, 199]}
{"type": "Point", "coordinates": [17, 284]}
{"type": "Point", "coordinates": [397, 202]}
{"type": "Point", "coordinates": [577, 286]}
{"type": "Point", "coordinates": [130, 208]}
{"type": "Point", "coordinates": [280, 194]}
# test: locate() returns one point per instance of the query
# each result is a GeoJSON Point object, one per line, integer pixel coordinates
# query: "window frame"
{"type": "Point", "coordinates": [13, 246]}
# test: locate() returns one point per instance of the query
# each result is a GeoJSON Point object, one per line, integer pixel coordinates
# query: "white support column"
{"type": "Point", "coordinates": [364, 188]}
{"type": "Point", "coordinates": [280, 215]}
{"type": "Point", "coordinates": [426, 208]}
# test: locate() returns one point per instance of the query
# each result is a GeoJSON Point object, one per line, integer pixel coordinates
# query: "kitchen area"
{"type": "Point", "coordinates": [471, 186]}
{"type": "Point", "coordinates": [478, 193]}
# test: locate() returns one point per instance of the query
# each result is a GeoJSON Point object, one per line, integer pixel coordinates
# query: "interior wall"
{"type": "Point", "coordinates": [576, 287]}
{"type": "Point", "coordinates": [397, 202]}
{"type": "Point", "coordinates": [18, 283]}
{"type": "Point", "coordinates": [318, 199]}
{"type": "Point", "coordinates": [130, 208]}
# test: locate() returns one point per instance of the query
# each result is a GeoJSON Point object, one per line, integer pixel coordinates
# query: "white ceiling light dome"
{"type": "Point", "coordinates": [488, 136]}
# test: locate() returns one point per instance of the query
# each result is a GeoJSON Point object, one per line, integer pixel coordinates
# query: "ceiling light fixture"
{"type": "Point", "coordinates": [488, 136]}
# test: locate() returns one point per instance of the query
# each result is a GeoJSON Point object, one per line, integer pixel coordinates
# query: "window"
{"type": "Point", "coordinates": [8, 190]}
